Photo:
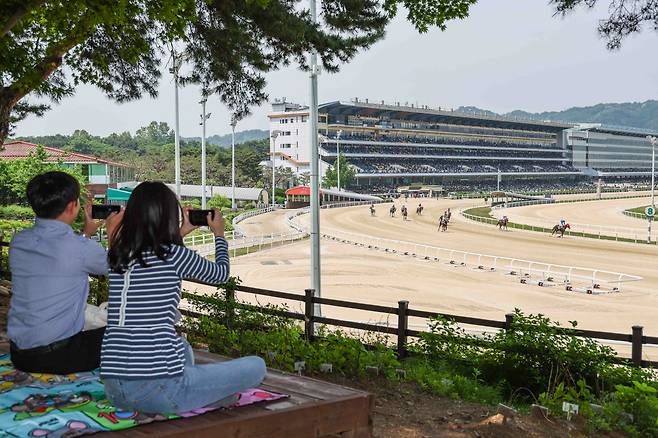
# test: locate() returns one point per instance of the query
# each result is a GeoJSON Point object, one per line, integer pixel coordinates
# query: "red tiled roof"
{"type": "Point", "coordinates": [299, 191]}
{"type": "Point", "coordinates": [19, 150]}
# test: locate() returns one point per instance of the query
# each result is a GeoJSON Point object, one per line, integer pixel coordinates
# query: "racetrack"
{"type": "Point", "coordinates": [605, 213]}
{"type": "Point", "coordinates": [359, 274]}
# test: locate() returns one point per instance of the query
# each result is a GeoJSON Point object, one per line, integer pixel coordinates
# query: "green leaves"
{"type": "Point", "coordinates": [120, 46]}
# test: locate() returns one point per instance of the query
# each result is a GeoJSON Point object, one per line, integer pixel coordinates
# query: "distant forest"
{"type": "Point", "coordinates": [630, 114]}
{"type": "Point", "coordinates": [151, 152]}
{"type": "Point", "coordinates": [240, 137]}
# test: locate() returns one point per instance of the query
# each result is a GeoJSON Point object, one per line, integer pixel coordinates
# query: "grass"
{"type": "Point", "coordinates": [485, 214]}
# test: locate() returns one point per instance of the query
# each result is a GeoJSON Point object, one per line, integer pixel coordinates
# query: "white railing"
{"type": "Point", "coordinates": [634, 214]}
{"type": "Point", "coordinates": [247, 214]}
{"type": "Point", "coordinates": [205, 238]}
{"type": "Point", "coordinates": [546, 274]}
{"type": "Point", "coordinates": [255, 243]}
{"type": "Point", "coordinates": [512, 204]}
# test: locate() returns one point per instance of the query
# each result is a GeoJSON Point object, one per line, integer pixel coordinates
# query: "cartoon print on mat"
{"type": "Point", "coordinates": [103, 413]}
{"type": "Point", "coordinates": [40, 404]}
{"type": "Point", "coordinates": [52, 406]}
{"type": "Point", "coordinates": [71, 429]}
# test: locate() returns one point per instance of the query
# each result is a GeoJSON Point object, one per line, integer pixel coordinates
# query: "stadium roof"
{"type": "Point", "coordinates": [619, 130]}
{"type": "Point", "coordinates": [20, 150]}
{"type": "Point", "coordinates": [439, 116]}
{"type": "Point", "coordinates": [241, 193]}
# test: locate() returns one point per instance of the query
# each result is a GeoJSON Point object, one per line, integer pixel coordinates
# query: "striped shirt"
{"type": "Point", "coordinates": [140, 339]}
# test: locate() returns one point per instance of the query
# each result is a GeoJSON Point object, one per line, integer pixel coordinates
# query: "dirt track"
{"type": "Point", "coordinates": [360, 274]}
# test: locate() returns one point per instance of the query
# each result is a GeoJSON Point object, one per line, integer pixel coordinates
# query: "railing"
{"type": "Point", "coordinates": [250, 242]}
{"type": "Point", "coordinates": [401, 330]}
{"type": "Point", "coordinates": [251, 213]}
{"type": "Point", "coordinates": [548, 274]}
{"type": "Point", "coordinates": [523, 203]}
{"type": "Point", "coordinates": [634, 214]}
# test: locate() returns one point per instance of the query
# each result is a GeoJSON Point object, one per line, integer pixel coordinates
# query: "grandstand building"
{"type": "Point", "coordinates": [394, 145]}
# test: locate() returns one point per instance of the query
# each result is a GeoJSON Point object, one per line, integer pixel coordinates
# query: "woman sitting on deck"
{"type": "Point", "coordinates": [144, 364]}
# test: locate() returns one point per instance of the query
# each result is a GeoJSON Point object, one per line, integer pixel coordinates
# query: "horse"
{"type": "Point", "coordinates": [372, 210]}
{"type": "Point", "coordinates": [404, 212]}
{"type": "Point", "coordinates": [443, 224]}
{"type": "Point", "coordinates": [419, 210]}
{"type": "Point", "coordinates": [391, 212]}
{"type": "Point", "coordinates": [560, 229]}
{"type": "Point", "coordinates": [502, 223]}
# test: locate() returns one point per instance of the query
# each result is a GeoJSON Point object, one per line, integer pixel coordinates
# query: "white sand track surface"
{"type": "Point", "coordinates": [367, 275]}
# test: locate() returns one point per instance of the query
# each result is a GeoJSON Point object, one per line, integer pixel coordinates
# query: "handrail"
{"type": "Point", "coordinates": [636, 338]}
{"type": "Point", "coordinates": [247, 214]}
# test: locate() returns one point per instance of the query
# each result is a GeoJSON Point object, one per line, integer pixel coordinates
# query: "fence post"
{"type": "Point", "coordinates": [403, 325]}
{"type": "Point", "coordinates": [309, 314]}
{"type": "Point", "coordinates": [636, 352]}
{"type": "Point", "coordinates": [230, 306]}
{"type": "Point", "coordinates": [509, 318]}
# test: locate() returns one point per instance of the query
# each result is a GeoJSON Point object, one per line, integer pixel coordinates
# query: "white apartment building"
{"type": "Point", "coordinates": [290, 137]}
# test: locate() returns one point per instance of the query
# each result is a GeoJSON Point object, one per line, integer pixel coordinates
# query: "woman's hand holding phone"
{"type": "Point", "coordinates": [216, 223]}
{"type": "Point", "coordinates": [187, 227]}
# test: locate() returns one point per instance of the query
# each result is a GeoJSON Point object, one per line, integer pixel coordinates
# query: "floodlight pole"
{"type": "Point", "coordinates": [234, 121]}
{"type": "Point", "coordinates": [337, 158]}
{"type": "Point", "coordinates": [204, 99]}
{"type": "Point", "coordinates": [176, 64]}
{"type": "Point", "coordinates": [652, 141]}
{"type": "Point", "coordinates": [273, 135]}
{"type": "Point", "coordinates": [315, 172]}
{"type": "Point", "coordinates": [498, 180]}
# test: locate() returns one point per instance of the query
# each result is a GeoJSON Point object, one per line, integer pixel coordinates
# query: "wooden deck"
{"type": "Point", "coordinates": [315, 409]}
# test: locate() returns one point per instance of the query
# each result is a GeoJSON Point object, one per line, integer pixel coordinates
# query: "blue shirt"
{"type": "Point", "coordinates": [50, 267]}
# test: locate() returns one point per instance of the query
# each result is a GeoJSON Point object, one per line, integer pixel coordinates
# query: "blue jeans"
{"type": "Point", "coordinates": [214, 384]}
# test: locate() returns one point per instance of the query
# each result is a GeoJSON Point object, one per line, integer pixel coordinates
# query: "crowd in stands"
{"type": "Point", "coordinates": [419, 150]}
{"type": "Point", "coordinates": [391, 124]}
{"type": "Point", "coordinates": [382, 138]}
{"type": "Point", "coordinates": [408, 165]}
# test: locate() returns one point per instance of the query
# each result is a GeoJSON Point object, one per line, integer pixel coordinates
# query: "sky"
{"type": "Point", "coordinates": [507, 55]}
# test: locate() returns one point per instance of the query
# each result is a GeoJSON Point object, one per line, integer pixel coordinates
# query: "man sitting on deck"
{"type": "Point", "coordinates": [50, 267]}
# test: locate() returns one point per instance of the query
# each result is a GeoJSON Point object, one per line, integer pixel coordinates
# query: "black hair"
{"type": "Point", "coordinates": [50, 193]}
{"type": "Point", "coordinates": [151, 222]}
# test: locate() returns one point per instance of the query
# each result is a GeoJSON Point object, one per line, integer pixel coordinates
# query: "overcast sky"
{"type": "Point", "coordinates": [507, 55]}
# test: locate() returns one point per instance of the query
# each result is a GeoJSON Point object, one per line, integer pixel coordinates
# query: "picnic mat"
{"type": "Point", "coordinates": [54, 406]}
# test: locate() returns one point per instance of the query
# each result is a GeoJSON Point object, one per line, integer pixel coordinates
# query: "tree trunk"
{"type": "Point", "coordinates": [7, 102]}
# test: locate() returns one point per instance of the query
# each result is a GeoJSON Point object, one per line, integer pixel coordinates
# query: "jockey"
{"type": "Point", "coordinates": [563, 222]}
{"type": "Point", "coordinates": [505, 218]}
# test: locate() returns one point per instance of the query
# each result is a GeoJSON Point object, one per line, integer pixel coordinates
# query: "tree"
{"type": "Point", "coordinates": [347, 174]}
{"type": "Point", "coordinates": [626, 17]}
{"type": "Point", "coordinates": [119, 46]}
{"type": "Point", "coordinates": [17, 173]}
{"type": "Point", "coordinates": [156, 133]}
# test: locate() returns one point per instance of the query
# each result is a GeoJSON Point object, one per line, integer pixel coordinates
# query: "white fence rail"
{"type": "Point", "coordinates": [545, 274]}
{"type": "Point", "coordinates": [254, 243]}
{"type": "Point", "coordinates": [634, 214]}
{"type": "Point", "coordinates": [251, 213]}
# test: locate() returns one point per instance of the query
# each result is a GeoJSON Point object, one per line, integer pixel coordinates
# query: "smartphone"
{"type": "Point", "coordinates": [200, 217]}
{"type": "Point", "coordinates": [103, 211]}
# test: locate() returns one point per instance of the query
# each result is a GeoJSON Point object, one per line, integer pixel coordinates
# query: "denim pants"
{"type": "Point", "coordinates": [213, 384]}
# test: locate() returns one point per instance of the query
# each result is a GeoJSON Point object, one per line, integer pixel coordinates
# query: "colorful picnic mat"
{"type": "Point", "coordinates": [54, 406]}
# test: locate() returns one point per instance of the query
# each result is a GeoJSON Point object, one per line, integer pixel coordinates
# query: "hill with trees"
{"type": "Point", "coordinates": [631, 114]}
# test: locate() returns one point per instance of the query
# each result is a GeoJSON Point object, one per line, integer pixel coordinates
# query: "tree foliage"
{"type": "Point", "coordinates": [119, 46]}
{"type": "Point", "coordinates": [626, 17]}
{"type": "Point", "coordinates": [151, 152]}
{"type": "Point", "coordinates": [347, 174]}
{"type": "Point", "coordinates": [17, 173]}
